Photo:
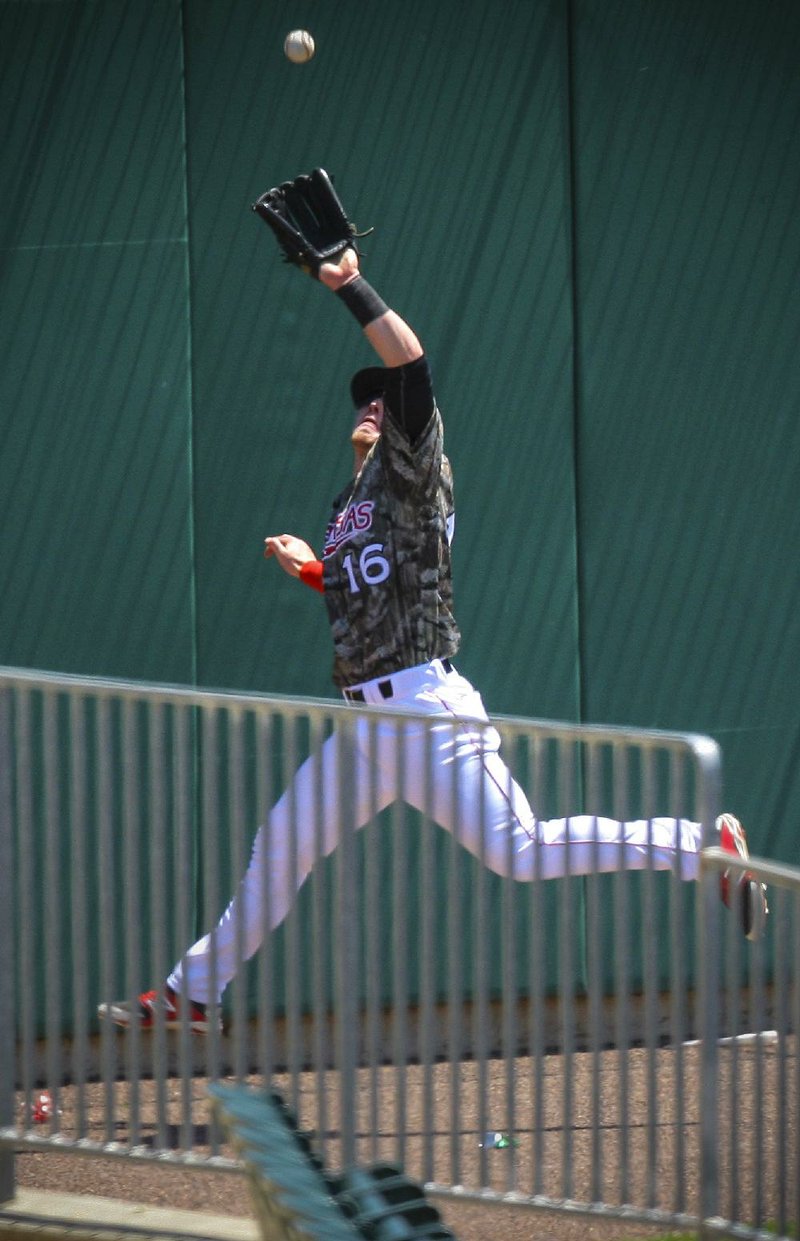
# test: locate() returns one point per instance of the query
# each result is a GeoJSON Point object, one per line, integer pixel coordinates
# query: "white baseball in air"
{"type": "Point", "coordinates": [298, 46]}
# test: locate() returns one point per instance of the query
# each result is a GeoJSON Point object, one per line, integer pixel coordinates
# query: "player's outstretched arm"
{"type": "Point", "coordinates": [314, 233]}
{"type": "Point", "coordinates": [390, 336]}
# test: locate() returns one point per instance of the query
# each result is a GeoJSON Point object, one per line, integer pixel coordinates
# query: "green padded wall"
{"type": "Point", "coordinates": [688, 254]}
{"type": "Point", "coordinates": [95, 471]}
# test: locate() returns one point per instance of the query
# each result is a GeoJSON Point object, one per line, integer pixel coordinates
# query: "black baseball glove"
{"type": "Point", "coordinates": [309, 221]}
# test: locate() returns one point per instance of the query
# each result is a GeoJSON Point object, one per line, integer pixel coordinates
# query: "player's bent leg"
{"type": "Point", "coordinates": [470, 791]}
{"type": "Point", "coordinates": [487, 811]}
{"type": "Point", "coordinates": [594, 844]}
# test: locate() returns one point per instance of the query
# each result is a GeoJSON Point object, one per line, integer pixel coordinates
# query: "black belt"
{"type": "Point", "coordinates": [384, 687]}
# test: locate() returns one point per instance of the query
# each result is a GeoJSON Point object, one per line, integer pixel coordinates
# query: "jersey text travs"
{"type": "Point", "coordinates": [354, 519]}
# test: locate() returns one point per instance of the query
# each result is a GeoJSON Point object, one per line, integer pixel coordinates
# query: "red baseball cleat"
{"type": "Point", "coordinates": [122, 1013]}
{"type": "Point", "coordinates": [741, 892]}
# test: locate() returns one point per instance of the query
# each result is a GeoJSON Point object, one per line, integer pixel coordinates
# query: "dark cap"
{"type": "Point", "coordinates": [366, 384]}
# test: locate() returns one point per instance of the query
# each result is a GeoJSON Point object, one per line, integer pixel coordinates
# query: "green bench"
{"type": "Point", "coordinates": [296, 1200]}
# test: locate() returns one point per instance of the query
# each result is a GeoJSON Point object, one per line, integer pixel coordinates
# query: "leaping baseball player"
{"type": "Point", "coordinates": [385, 574]}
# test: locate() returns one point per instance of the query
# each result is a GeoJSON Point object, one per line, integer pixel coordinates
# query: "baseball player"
{"type": "Point", "coordinates": [385, 574]}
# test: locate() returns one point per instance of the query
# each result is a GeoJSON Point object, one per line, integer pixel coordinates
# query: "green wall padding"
{"type": "Point", "coordinates": [95, 471]}
{"type": "Point", "coordinates": [688, 253]}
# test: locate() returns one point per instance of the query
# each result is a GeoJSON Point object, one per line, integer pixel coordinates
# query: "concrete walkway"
{"type": "Point", "coordinates": [44, 1215]}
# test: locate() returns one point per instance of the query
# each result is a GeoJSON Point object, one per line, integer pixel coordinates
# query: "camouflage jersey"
{"type": "Point", "coordinates": [386, 559]}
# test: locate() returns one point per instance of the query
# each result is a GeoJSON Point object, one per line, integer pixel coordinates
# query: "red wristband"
{"type": "Point", "coordinates": [311, 574]}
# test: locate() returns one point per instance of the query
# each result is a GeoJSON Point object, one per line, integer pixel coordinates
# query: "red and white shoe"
{"type": "Point", "coordinates": [167, 1001]}
{"type": "Point", "coordinates": [740, 891]}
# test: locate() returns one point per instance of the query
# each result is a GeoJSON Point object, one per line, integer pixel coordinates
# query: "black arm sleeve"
{"type": "Point", "coordinates": [409, 396]}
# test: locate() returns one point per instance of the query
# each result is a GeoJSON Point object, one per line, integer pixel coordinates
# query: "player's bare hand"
{"type": "Point", "coordinates": [290, 552]}
{"type": "Point", "coordinates": [341, 270]}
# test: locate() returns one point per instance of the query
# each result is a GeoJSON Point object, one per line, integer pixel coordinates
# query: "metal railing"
{"type": "Point", "coordinates": [750, 1068]}
{"type": "Point", "coordinates": [544, 1043]}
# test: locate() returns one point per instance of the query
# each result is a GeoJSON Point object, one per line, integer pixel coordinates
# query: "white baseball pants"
{"type": "Point", "coordinates": [453, 773]}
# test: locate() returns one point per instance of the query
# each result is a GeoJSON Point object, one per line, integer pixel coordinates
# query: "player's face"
{"type": "Point", "coordinates": [368, 424]}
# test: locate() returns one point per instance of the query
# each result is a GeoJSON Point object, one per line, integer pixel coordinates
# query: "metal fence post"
{"type": "Point", "coordinates": [7, 942]}
{"type": "Point", "coordinates": [708, 757]}
{"type": "Point", "coordinates": [347, 963]}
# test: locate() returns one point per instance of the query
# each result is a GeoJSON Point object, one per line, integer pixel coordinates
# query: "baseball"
{"type": "Point", "coordinates": [298, 46]}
